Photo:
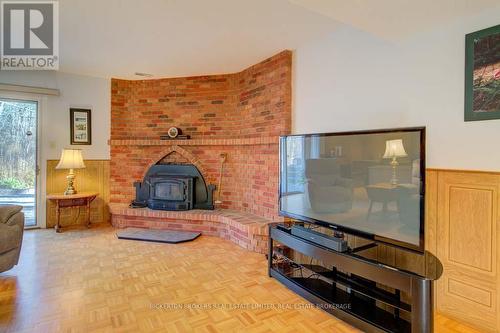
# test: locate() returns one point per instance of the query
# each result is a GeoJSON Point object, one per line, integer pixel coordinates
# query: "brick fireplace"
{"type": "Point", "coordinates": [241, 115]}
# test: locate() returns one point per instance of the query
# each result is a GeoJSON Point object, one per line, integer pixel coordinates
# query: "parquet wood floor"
{"type": "Point", "coordinates": [89, 281]}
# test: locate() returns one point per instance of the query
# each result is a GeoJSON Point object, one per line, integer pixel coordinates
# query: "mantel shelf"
{"type": "Point", "coordinates": [198, 142]}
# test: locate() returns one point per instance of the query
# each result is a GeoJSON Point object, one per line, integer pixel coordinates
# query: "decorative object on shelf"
{"type": "Point", "coordinates": [394, 149]}
{"type": "Point", "coordinates": [174, 133]}
{"type": "Point", "coordinates": [80, 126]}
{"type": "Point", "coordinates": [223, 158]}
{"type": "Point", "coordinates": [70, 159]}
{"type": "Point", "coordinates": [482, 74]}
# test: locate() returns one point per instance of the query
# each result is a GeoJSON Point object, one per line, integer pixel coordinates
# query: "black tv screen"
{"type": "Point", "coordinates": [366, 183]}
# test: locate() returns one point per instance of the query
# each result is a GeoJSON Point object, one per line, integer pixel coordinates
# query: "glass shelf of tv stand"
{"type": "Point", "coordinates": [347, 281]}
{"type": "Point", "coordinates": [372, 313]}
{"type": "Point", "coordinates": [349, 294]}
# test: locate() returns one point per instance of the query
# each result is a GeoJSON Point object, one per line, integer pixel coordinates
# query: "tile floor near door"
{"type": "Point", "coordinates": [89, 281]}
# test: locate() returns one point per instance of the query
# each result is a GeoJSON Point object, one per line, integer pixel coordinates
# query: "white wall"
{"type": "Point", "coordinates": [76, 91]}
{"type": "Point", "coordinates": [352, 80]}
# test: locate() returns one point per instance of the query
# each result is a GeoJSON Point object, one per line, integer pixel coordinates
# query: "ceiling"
{"type": "Point", "coordinates": [169, 38]}
{"type": "Point", "coordinates": [395, 19]}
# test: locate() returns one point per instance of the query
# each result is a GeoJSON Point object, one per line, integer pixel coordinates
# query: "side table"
{"type": "Point", "coordinates": [74, 200]}
{"type": "Point", "coordinates": [383, 193]}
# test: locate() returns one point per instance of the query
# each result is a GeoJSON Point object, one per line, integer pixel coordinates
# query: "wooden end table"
{"type": "Point", "coordinates": [383, 193]}
{"type": "Point", "coordinates": [69, 201]}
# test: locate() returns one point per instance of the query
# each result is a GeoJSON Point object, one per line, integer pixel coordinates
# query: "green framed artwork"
{"type": "Point", "coordinates": [482, 74]}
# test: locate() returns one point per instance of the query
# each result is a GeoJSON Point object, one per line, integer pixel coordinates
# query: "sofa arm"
{"type": "Point", "coordinates": [16, 220]}
{"type": "Point", "coordinates": [7, 212]}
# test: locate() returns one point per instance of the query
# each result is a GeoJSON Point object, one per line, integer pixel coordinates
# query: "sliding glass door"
{"type": "Point", "coordinates": [18, 155]}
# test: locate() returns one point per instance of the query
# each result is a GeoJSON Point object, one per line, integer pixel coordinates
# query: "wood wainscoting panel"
{"type": "Point", "coordinates": [472, 230]}
{"type": "Point", "coordinates": [472, 293]}
{"type": "Point", "coordinates": [95, 177]}
{"type": "Point", "coordinates": [467, 233]}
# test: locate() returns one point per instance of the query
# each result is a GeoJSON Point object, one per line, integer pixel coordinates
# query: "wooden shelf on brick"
{"type": "Point", "coordinates": [198, 142]}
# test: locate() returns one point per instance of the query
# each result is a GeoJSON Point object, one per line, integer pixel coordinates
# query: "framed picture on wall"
{"type": "Point", "coordinates": [81, 126]}
{"type": "Point", "coordinates": [482, 74]}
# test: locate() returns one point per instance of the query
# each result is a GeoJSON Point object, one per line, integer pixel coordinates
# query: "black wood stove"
{"type": "Point", "coordinates": [174, 187]}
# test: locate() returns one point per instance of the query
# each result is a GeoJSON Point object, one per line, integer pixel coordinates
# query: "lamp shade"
{"type": "Point", "coordinates": [71, 159]}
{"type": "Point", "coordinates": [394, 148]}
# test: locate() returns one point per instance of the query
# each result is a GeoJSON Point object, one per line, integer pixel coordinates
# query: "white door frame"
{"type": "Point", "coordinates": [40, 175]}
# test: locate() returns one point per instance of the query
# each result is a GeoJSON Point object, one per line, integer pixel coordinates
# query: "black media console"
{"type": "Point", "coordinates": [363, 292]}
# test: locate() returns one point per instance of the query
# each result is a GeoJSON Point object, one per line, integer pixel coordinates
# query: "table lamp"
{"type": "Point", "coordinates": [394, 149]}
{"type": "Point", "coordinates": [70, 159]}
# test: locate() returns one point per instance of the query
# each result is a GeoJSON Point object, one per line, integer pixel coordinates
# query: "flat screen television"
{"type": "Point", "coordinates": [365, 183]}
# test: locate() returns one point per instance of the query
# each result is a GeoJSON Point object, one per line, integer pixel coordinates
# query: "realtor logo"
{"type": "Point", "coordinates": [30, 36]}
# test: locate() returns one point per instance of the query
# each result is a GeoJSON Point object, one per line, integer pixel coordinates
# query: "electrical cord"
{"type": "Point", "coordinates": [314, 274]}
{"type": "Point", "coordinates": [281, 259]}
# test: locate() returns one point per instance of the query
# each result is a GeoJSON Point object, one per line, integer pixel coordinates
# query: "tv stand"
{"type": "Point", "coordinates": [351, 290]}
{"type": "Point", "coordinates": [364, 247]}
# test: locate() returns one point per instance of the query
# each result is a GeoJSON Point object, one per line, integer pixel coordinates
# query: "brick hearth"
{"type": "Point", "coordinates": [246, 230]}
{"type": "Point", "coordinates": [239, 114]}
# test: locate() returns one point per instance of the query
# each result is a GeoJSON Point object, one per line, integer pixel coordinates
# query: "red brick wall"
{"type": "Point", "coordinates": [264, 97]}
{"type": "Point", "coordinates": [252, 104]}
{"type": "Point", "coordinates": [201, 106]}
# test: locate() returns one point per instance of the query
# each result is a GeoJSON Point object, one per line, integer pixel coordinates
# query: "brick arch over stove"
{"type": "Point", "coordinates": [174, 158]}
{"type": "Point", "coordinates": [183, 153]}
{"type": "Point", "coordinates": [241, 114]}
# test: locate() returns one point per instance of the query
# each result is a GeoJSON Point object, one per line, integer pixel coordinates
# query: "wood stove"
{"type": "Point", "coordinates": [171, 192]}
{"type": "Point", "coordinates": [174, 187]}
